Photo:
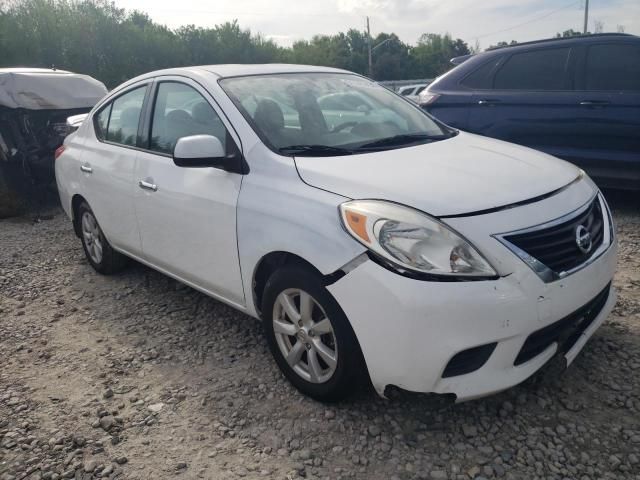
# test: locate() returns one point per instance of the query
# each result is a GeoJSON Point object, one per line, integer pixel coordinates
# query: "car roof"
{"type": "Point", "coordinates": [240, 70]}
{"type": "Point", "coordinates": [231, 70]}
{"type": "Point", "coordinates": [237, 70]}
{"type": "Point", "coordinates": [594, 37]}
{"type": "Point", "coordinates": [23, 70]}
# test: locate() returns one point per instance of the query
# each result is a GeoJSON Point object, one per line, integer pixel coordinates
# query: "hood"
{"type": "Point", "coordinates": [463, 174]}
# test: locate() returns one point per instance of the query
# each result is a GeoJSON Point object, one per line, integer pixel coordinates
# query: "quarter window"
{"type": "Point", "coordinates": [613, 68]}
{"type": "Point", "coordinates": [480, 78]}
{"type": "Point", "coordinates": [124, 117]}
{"type": "Point", "coordinates": [535, 70]}
{"type": "Point", "coordinates": [102, 122]}
{"type": "Point", "coordinates": [180, 111]}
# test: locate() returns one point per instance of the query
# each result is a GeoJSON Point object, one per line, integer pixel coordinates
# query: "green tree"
{"type": "Point", "coordinates": [433, 53]}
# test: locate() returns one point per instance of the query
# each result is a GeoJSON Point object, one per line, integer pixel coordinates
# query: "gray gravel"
{"type": "Point", "coordinates": [136, 376]}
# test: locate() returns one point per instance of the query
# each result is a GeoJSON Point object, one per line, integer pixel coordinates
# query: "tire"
{"type": "Point", "coordinates": [321, 378]}
{"type": "Point", "coordinates": [100, 254]}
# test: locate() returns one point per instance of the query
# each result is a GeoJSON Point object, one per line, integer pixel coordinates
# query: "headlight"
{"type": "Point", "coordinates": [412, 240]}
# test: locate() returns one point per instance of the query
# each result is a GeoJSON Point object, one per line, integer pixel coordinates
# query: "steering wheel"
{"type": "Point", "coordinates": [342, 126]}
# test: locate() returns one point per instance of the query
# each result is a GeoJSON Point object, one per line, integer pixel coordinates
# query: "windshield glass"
{"type": "Point", "coordinates": [320, 114]}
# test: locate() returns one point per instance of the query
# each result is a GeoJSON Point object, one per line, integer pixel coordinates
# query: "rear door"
{"type": "Point", "coordinates": [108, 165]}
{"type": "Point", "coordinates": [530, 101]}
{"type": "Point", "coordinates": [608, 86]}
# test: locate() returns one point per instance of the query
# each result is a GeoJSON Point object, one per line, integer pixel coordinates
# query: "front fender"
{"type": "Point", "coordinates": [278, 212]}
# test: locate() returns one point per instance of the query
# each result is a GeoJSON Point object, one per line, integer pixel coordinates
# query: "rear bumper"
{"type": "Point", "coordinates": [410, 330]}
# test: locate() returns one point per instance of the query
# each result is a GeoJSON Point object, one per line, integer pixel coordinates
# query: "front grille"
{"type": "Point", "coordinates": [565, 332]}
{"type": "Point", "coordinates": [556, 246]}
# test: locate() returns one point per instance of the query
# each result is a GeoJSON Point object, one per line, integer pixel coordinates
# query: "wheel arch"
{"type": "Point", "coordinates": [273, 261]}
{"type": "Point", "coordinates": [76, 201]}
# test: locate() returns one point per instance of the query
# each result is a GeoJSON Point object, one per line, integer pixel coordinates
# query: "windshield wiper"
{"type": "Point", "coordinates": [315, 150]}
{"type": "Point", "coordinates": [403, 139]}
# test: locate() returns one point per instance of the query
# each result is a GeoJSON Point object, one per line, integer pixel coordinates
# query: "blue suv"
{"type": "Point", "coordinates": [576, 98]}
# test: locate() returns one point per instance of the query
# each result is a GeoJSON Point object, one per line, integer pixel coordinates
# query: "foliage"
{"type": "Point", "coordinates": [97, 38]}
{"type": "Point", "coordinates": [569, 33]}
{"type": "Point", "coordinates": [433, 53]}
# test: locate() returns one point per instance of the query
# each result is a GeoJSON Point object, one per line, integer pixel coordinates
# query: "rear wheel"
{"type": "Point", "coordinates": [102, 257]}
{"type": "Point", "coordinates": [310, 336]}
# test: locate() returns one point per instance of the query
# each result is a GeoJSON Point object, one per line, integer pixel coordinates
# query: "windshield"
{"type": "Point", "coordinates": [326, 114]}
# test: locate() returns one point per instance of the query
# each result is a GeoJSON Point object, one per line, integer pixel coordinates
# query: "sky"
{"type": "Point", "coordinates": [484, 21]}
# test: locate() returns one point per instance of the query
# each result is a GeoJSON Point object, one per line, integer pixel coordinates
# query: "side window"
{"type": "Point", "coordinates": [180, 111]}
{"type": "Point", "coordinates": [481, 77]}
{"type": "Point", "coordinates": [613, 67]}
{"type": "Point", "coordinates": [535, 70]}
{"type": "Point", "coordinates": [101, 122]}
{"type": "Point", "coordinates": [125, 114]}
{"type": "Point", "coordinates": [420, 89]}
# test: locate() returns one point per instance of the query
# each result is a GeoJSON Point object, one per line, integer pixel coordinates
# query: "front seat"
{"type": "Point", "coordinates": [207, 122]}
{"type": "Point", "coordinates": [177, 124]}
{"type": "Point", "coordinates": [270, 119]}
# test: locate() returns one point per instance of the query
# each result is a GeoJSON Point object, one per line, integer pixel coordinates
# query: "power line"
{"type": "Point", "coordinates": [541, 17]}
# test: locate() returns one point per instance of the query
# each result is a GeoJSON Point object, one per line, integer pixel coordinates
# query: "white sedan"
{"type": "Point", "coordinates": [380, 245]}
{"type": "Point", "coordinates": [412, 92]}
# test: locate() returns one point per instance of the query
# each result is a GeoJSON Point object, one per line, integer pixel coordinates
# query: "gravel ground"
{"type": "Point", "coordinates": [136, 376]}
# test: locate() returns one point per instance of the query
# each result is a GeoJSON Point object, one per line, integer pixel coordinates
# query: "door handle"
{"type": "Point", "coordinates": [148, 186]}
{"type": "Point", "coordinates": [86, 168]}
{"type": "Point", "coordinates": [594, 103]}
{"type": "Point", "coordinates": [488, 102]}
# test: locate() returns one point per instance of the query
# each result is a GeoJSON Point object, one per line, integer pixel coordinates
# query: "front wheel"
{"type": "Point", "coordinates": [310, 336]}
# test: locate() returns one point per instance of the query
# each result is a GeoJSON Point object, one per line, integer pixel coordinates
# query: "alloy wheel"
{"type": "Point", "coordinates": [305, 336]}
{"type": "Point", "coordinates": [92, 237]}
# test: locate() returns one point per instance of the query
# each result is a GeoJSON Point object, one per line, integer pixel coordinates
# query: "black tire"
{"type": "Point", "coordinates": [350, 370]}
{"type": "Point", "coordinates": [110, 261]}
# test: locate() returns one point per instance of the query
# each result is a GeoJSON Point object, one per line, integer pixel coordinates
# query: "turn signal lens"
{"type": "Point", "coordinates": [412, 240]}
{"type": "Point", "coordinates": [358, 224]}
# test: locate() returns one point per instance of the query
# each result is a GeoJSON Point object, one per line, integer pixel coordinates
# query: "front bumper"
{"type": "Point", "coordinates": [409, 330]}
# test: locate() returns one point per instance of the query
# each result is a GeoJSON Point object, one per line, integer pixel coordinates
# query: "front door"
{"type": "Point", "coordinates": [187, 216]}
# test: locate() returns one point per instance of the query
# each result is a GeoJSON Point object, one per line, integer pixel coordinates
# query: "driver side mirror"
{"type": "Point", "coordinates": [198, 151]}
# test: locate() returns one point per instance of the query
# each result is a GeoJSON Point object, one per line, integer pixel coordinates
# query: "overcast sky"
{"type": "Point", "coordinates": [487, 21]}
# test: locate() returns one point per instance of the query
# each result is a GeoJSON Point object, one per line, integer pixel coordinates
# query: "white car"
{"type": "Point", "coordinates": [388, 248]}
{"type": "Point", "coordinates": [412, 92]}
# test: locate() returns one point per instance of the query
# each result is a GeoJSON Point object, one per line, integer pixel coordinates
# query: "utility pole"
{"type": "Point", "coordinates": [586, 16]}
{"type": "Point", "coordinates": [369, 48]}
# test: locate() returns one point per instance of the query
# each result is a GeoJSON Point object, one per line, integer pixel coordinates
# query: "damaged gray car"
{"type": "Point", "coordinates": [34, 106]}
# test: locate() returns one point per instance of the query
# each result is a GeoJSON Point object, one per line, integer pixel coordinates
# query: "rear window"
{"type": "Point", "coordinates": [535, 70]}
{"type": "Point", "coordinates": [613, 67]}
{"type": "Point", "coordinates": [125, 116]}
